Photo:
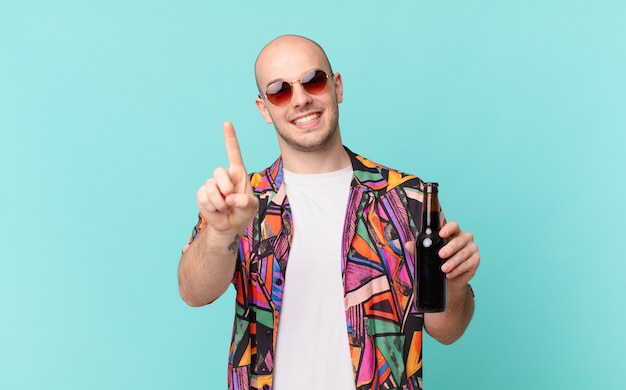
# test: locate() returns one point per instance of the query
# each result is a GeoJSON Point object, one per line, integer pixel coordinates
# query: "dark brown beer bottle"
{"type": "Point", "coordinates": [430, 280]}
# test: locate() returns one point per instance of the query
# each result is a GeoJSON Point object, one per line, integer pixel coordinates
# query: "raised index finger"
{"type": "Point", "coordinates": [232, 145]}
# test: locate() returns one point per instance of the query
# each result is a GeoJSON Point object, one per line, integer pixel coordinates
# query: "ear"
{"type": "Point", "coordinates": [338, 87]}
{"type": "Point", "coordinates": [260, 105]}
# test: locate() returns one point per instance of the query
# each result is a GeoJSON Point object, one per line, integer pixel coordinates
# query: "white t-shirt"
{"type": "Point", "coordinates": [312, 349]}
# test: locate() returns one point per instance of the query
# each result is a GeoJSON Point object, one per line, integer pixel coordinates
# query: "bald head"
{"type": "Point", "coordinates": [285, 52]}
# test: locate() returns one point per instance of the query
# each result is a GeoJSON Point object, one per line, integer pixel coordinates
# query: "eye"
{"type": "Point", "coordinates": [314, 81]}
{"type": "Point", "coordinates": [277, 87]}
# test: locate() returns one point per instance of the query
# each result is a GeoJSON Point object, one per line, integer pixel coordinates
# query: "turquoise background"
{"type": "Point", "coordinates": [110, 118]}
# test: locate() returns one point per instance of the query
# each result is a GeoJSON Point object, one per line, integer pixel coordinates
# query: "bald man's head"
{"type": "Point", "coordinates": [284, 48]}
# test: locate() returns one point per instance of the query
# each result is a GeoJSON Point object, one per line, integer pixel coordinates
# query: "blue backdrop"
{"type": "Point", "coordinates": [110, 118]}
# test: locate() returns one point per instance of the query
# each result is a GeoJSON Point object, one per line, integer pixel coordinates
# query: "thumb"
{"type": "Point", "coordinates": [241, 201]}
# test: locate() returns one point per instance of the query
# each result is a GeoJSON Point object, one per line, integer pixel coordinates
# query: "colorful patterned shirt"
{"type": "Point", "coordinates": [383, 328]}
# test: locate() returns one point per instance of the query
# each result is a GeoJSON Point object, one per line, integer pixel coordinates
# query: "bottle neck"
{"type": "Point", "coordinates": [430, 209]}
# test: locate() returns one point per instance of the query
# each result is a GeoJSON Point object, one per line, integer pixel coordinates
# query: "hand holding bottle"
{"type": "Point", "coordinates": [460, 252]}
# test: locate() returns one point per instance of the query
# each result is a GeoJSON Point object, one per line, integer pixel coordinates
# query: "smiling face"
{"type": "Point", "coordinates": [309, 122]}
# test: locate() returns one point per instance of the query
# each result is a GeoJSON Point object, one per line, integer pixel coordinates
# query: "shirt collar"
{"type": "Point", "coordinates": [367, 175]}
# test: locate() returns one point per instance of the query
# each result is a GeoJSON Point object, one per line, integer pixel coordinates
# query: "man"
{"type": "Point", "coordinates": [319, 247]}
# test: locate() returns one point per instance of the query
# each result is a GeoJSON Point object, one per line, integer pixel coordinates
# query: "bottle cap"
{"type": "Point", "coordinates": [430, 186]}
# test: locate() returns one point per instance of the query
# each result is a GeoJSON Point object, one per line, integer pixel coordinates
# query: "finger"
{"type": "Point", "coordinates": [209, 198]}
{"type": "Point", "coordinates": [456, 243]}
{"type": "Point", "coordinates": [452, 246]}
{"type": "Point", "coordinates": [466, 269]}
{"type": "Point", "coordinates": [232, 145]}
{"type": "Point", "coordinates": [459, 257]}
{"type": "Point", "coordinates": [201, 198]}
{"type": "Point", "coordinates": [223, 181]}
{"type": "Point", "coordinates": [449, 229]}
{"type": "Point", "coordinates": [206, 207]}
{"type": "Point", "coordinates": [241, 201]}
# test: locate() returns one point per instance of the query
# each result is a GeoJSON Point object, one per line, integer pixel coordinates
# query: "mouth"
{"type": "Point", "coordinates": [307, 119]}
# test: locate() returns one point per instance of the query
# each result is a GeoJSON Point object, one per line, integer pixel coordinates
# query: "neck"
{"type": "Point", "coordinates": [330, 158]}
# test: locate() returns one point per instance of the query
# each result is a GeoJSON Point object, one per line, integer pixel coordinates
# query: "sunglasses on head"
{"type": "Point", "coordinates": [280, 92]}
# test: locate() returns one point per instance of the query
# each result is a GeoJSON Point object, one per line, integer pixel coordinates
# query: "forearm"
{"type": "Point", "coordinates": [449, 326]}
{"type": "Point", "coordinates": [207, 266]}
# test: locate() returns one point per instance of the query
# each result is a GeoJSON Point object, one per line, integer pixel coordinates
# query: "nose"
{"type": "Point", "coordinates": [300, 97]}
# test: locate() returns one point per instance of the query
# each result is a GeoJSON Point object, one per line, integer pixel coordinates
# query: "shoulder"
{"type": "Point", "coordinates": [379, 177]}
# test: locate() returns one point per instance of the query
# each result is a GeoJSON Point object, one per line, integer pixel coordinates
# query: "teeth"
{"type": "Point", "coordinates": [306, 119]}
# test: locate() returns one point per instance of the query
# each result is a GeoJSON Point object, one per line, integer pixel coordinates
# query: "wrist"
{"type": "Point", "coordinates": [460, 289]}
{"type": "Point", "coordinates": [223, 234]}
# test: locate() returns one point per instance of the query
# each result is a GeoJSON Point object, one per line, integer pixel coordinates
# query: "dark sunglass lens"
{"type": "Point", "coordinates": [278, 93]}
{"type": "Point", "coordinates": [314, 81]}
